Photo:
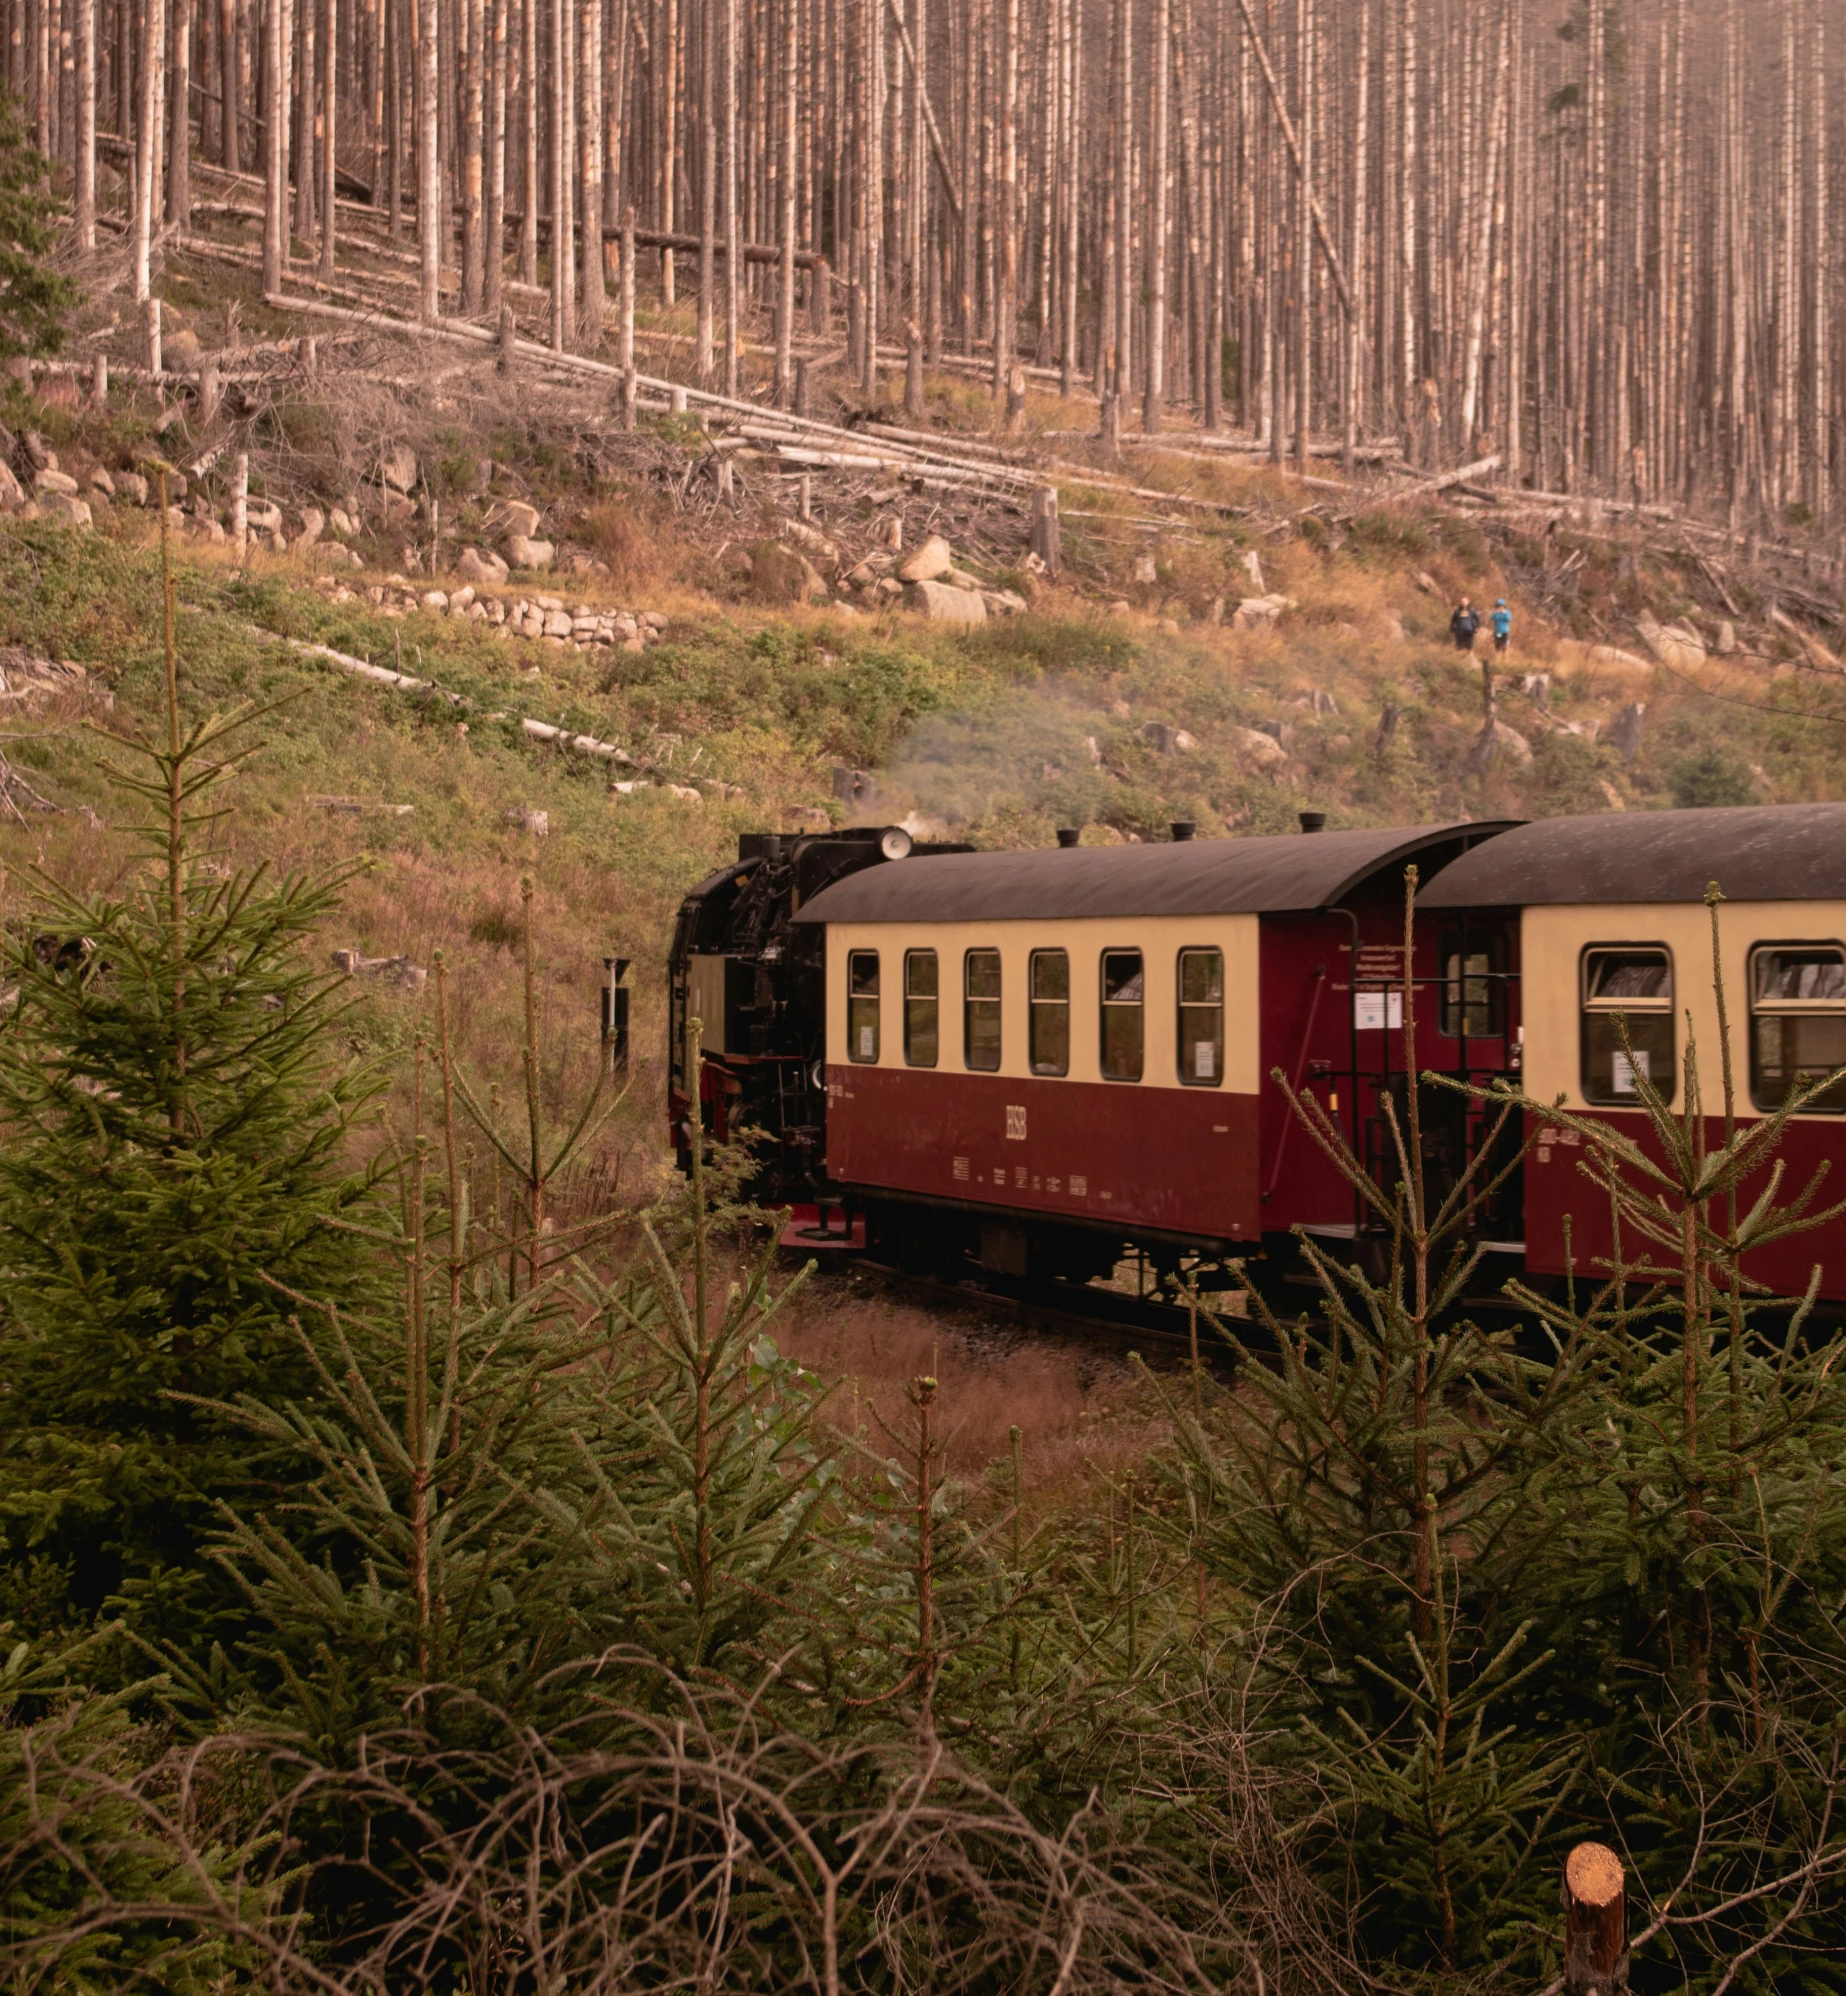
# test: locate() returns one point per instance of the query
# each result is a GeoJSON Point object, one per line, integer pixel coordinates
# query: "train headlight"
{"type": "Point", "coordinates": [896, 843]}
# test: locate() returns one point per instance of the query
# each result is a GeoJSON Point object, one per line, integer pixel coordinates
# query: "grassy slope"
{"type": "Point", "coordinates": [1007, 732]}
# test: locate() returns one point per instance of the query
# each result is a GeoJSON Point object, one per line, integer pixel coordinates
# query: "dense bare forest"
{"type": "Point", "coordinates": [1601, 242]}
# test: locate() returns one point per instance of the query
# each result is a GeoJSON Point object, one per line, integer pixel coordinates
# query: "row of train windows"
{"type": "Point", "coordinates": [1797, 1023]}
{"type": "Point", "coordinates": [1121, 993]}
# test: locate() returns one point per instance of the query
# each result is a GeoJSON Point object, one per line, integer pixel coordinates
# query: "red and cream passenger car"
{"type": "Point", "coordinates": [1035, 1057]}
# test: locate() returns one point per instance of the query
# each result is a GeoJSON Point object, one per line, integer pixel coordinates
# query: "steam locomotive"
{"type": "Point", "coordinates": [1035, 1061]}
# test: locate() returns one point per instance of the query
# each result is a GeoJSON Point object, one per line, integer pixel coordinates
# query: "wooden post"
{"type": "Point", "coordinates": [209, 390]}
{"type": "Point", "coordinates": [1047, 537]}
{"type": "Point", "coordinates": [240, 503]}
{"type": "Point", "coordinates": [99, 381]}
{"type": "Point", "coordinates": [801, 387]}
{"type": "Point", "coordinates": [914, 406]}
{"type": "Point", "coordinates": [507, 335]}
{"type": "Point", "coordinates": [150, 331]}
{"type": "Point", "coordinates": [1595, 1923]}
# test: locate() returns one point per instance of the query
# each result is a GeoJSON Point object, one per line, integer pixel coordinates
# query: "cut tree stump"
{"type": "Point", "coordinates": [1595, 1923]}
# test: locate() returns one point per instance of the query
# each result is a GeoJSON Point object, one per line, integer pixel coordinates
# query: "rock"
{"type": "Point", "coordinates": [1146, 570]}
{"type": "Point", "coordinates": [516, 519]}
{"type": "Point", "coordinates": [929, 563]}
{"type": "Point", "coordinates": [524, 553]}
{"type": "Point", "coordinates": [1391, 628]}
{"type": "Point", "coordinates": [888, 587]}
{"type": "Point", "coordinates": [11, 492]}
{"type": "Point", "coordinates": [1727, 638]}
{"type": "Point", "coordinates": [959, 578]}
{"type": "Point", "coordinates": [262, 516]}
{"type": "Point", "coordinates": [1614, 655]}
{"type": "Point", "coordinates": [1671, 644]}
{"type": "Point", "coordinates": [1260, 613]}
{"type": "Point", "coordinates": [176, 487]}
{"type": "Point", "coordinates": [61, 506]}
{"type": "Point", "coordinates": [1120, 607]}
{"type": "Point", "coordinates": [1168, 740]}
{"type": "Point", "coordinates": [398, 468]}
{"type": "Point", "coordinates": [434, 599]}
{"type": "Point", "coordinates": [342, 522]}
{"type": "Point", "coordinates": [459, 599]}
{"type": "Point", "coordinates": [1427, 583]}
{"type": "Point", "coordinates": [1258, 746]}
{"type": "Point", "coordinates": [330, 554]}
{"type": "Point", "coordinates": [54, 481]}
{"type": "Point", "coordinates": [736, 560]}
{"type": "Point", "coordinates": [1003, 602]}
{"type": "Point", "coordinates": [538, 823]}
{"type": "Point", "coordinates": [180, 350]}
{"type": "Point", "coordinates": [313, 525]}
{"type": "Point", "coordinates": [477, 565]}
{"type": "Point", "coordinates": [100, 481]}
{"type": "Point", "coordinates": [557, 624]}
{"type": "Point", "coordinates": [398, 970]}
{"type": "Point", "coordinates": [209, 531]}
{"type": "Point", "coordinates": [1623, 733]}
{"type": "Point", "coordinates": [1253, 568]}
{"type": "Point", "coordinates": [862, 577]}
{"type": "Point", "coordinates": [812, 541]}
{"type": "Point", "coordinates": [39, 453]}
{"type": "Point", "coordinates": [942, 604]}
{"type": "Point", "coordinates": [655, 620]}
{"type": "Point", "coordinates": [1536, 686]}
{"type": "Point", "coordinates": [132, 486]}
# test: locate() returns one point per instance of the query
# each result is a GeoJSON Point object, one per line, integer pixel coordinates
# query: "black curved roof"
{"type": "Point", "coordinates": [1755, 852]}
{"type": "Point", "coordinates": [1270, 875]}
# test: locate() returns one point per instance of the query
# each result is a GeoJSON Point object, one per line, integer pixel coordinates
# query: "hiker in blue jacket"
{"type": "Point", "coordinates": [1501, 623]}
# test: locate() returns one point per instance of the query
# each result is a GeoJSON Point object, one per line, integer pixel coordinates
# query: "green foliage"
{"type": "Point", "coordinates": [1710, 777]}
{"type": "Point", "coordinates": [33, 297]}
{"type": "Point", "coordinates": [175, 1111]}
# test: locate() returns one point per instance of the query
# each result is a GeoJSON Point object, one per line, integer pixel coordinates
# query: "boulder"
{"type": "Point", "coordinates": [538, 823]}
{"type": "Point", "coordinates": [313, 525]}
{"type": "Point", "coordinates": [11, 492]}
{"type": "Point", "coordinates": [516, 519]}
{"type": "Point", "coordinates": [1003, 602]}
{"type": "Point", "coordinates": [1671, 644]}
{"type": "Point", "coordinates": [54, 481]}
{"type": "Point", "coordinates": [262, 516]}
{"type": "Point", "coordinates": [435, 599]}
{"type": "Point", "coordinates": [209, 531]}
{"type": "Point", "coordinates": [736, 560]}
{"type": "Point", "coordinates": [180, 350]}
{"type": "Point", "coordinates": [1146, 569]}
{"type": "Point", "coordinates": [130, 485]}
{"type": "Point", "coordinates": [1259, 613]}
{"type": "Point", "coordinates": [929, 563]}
{"type": "Point", "coordinates": [943, 605]}
{"type": "Point", "coordinates": [1168, 740]}
{"type": "Point", "coordinates": [100, 481]}
{"type": "Point", "coordinates": [342, 522]}
{"type": "Point", "coordinates": [477, 565]}
{"type": "Point", "coordinates": [62, 506]}
{"type": "Point", "coordinates": [1498, 744]}
{"type": "Point", "coordinates": [522, 552]}
{"type": "Point", "coordinates": [397, 469]}
{"type": "Point", "coordinates": [1258, 747]}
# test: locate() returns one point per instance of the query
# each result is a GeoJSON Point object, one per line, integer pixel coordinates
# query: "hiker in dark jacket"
{"type": "Point", "coordinates": [1463, 625]}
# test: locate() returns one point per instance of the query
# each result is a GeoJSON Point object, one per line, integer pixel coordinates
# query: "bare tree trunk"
{"type": "Point", "coordinates": [493, 228]}
{"type": "Point", "coordinates": [708, 185]}
{"type": "Point", "coordinates": [1153, 403]}
{"type": "Point", "coordinates": [430, 217]}
{"type": "Point", "coordinates": [473, 23]}
{"type": "Point", "coordinates": [528, 141]}
{"type": "Point", "coordinates": [591, 203]}
{"type": "Point", "coordinates": [329, 137]}
{"type": "Point", "coordinates": [733, 241]}
{"type": "Point", "coordinates": [563, 289]}
{"type": "Point", "coordinates": [179, 141]}
{"type": "Point", "coordinates": [275, 146]}
{"type": "Point", "coordinates": [86, 124]}
{"type": "Point", "coordinates": [785, 285]}
{"type": "Point", "coordinates": [147, 154]}
{"type": "Point", "coordinates": [1006, 298]}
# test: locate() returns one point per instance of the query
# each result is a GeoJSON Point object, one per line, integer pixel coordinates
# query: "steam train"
{"type": "Point", "coordinates": [1036, 1061]}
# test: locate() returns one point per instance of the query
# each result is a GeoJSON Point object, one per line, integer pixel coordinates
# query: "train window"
{"type": "Point", "coordinates": [1124, 1013]}
{"type": "Point", "coordinates": [1201, 1017]}
{"type": "Point", "coordinates": [1050, 1009]}
{"type": "Point", "coordinates": [981, 1010]}
{"type": "Point", "coordinates": [1797, 1023]}
{"type": "Point", "coordinates": [921, 1033]}
{"type": "Point", "coordinates": [1473, 994]}
{"type": "Point", "coordinates": [862, 1005]}
{"type": "Point", "coordinates": [1632, 987]}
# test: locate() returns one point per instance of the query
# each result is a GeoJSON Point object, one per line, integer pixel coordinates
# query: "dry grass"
{"type": "Point", "coordinates": [1083, 1415]}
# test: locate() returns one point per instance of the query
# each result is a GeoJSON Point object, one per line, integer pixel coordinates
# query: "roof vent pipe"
{"type": "Point", "coordinates": [1068, 835]}
{"type": "Point", "coordinates": [1313, 821]}
{"type": "Point", "coordinates": [1182, 830]}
